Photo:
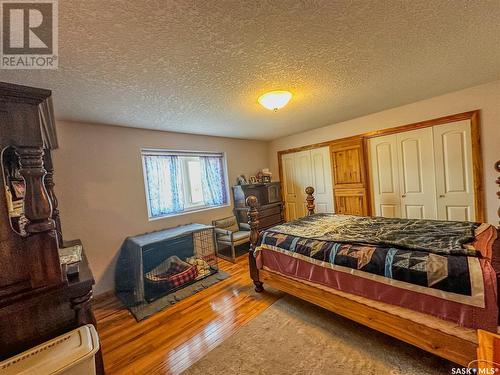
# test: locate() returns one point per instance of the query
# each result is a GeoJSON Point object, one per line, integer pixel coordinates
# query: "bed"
{"type": "Point", "coordinates": [432, 284]}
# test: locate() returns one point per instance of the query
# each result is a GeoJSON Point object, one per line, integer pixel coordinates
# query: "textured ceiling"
{"type": "Point", "coordinates": [199, 66]}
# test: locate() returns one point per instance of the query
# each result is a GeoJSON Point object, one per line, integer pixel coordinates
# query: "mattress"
{"type": "Point", "coordinates": [457, 288]}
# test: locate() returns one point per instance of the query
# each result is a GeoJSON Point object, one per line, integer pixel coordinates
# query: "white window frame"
{"type": "Point", "coordinates": [183, 153]}
{"type": "Point", "coordinates": [186, 183]}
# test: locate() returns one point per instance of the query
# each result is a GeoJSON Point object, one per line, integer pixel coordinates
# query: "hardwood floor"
{"type": "Point", "coordinates": [172, 340]}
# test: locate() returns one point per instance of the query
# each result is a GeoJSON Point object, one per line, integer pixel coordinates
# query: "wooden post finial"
{"type": "Point", "coordinates": [253, 220]}
{"type": "Point", "coordinates": [310, 200]}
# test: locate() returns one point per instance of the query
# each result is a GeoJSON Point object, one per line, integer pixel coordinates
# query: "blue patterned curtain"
{"type": "Point", "coordinates": [164, 184]}
{"type": "Point", "coordinates": [213, 181]}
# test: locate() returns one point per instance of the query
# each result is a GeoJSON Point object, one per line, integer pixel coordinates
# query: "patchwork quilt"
{"type": "Point", "coordinates": [434, 236]}
{"type": "Point", "coordinates": [448, 273]}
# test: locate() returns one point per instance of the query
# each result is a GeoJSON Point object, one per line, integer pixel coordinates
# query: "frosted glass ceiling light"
{"type": "Point", "coordinates": [275, 100]}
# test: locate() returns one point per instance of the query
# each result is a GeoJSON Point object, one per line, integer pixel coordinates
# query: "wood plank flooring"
{"type": "Point", "coordinates": [172, 340]}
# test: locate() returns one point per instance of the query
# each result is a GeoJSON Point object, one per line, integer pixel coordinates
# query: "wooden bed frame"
{"type": "Point", "coordinates": [447, 346]}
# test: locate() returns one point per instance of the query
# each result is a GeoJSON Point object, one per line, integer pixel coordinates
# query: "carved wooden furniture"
{"type": "Point", "coordinates": [457, 348]}
{"type": "Point", "coordinates": [37, 301]}
{"type": "Point", "coordinates": [269, 197]}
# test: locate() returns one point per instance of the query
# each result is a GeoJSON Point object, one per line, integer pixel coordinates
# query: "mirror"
{"type": "Point", "coordinates": [14, 190]}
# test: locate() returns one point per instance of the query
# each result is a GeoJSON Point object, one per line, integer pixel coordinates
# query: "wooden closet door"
{"type": "Point", "coordinates": [349, 178]}
{"type": "Point", "coordinates": [417, 174]}
{"type": "Point", "coordinates": [385, 176]}
{"type": "Point", "coordinates": [348, 168]}
{"type": "Point", "coordinates": [454, 175]}
{"type": "Point", "coordinates": [351, 202]}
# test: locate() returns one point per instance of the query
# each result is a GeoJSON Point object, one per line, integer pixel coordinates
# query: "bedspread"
{"type": "Point", "coordinates": [459, 286]}
{"type": "Point", "coordinates": [435, 236]}
{"type": "Point", "coordinates": [452, 277]}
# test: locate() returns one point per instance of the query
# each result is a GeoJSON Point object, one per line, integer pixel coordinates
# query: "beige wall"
{"type": "Point", "coordinates": [100, 186]}
{"type": "Point", "coordinates": [484, 97]}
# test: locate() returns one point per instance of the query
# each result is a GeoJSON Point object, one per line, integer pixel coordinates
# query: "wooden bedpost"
{"type": "Point", "coordinates": [310, 200]}
{"type": "Point", "coordinates": [497, 167]}
{"type": "Point", "coordinates": [253, 221]}
{"type": "Point", "coordinates": [495, 258]}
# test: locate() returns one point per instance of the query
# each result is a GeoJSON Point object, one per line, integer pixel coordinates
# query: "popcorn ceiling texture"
{"type": "Point", "coordinates": [199, 66]}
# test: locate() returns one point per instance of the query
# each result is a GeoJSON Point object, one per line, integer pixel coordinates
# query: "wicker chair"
{"type": "Point", "coordinates": [229, 233]}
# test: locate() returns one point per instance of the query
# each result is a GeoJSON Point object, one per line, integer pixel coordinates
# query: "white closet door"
{"type": "Point", "coordinates": [303, 169]}
{"type": "Point", "coordinates": [322, 179]}
{"type": "Point", "coordinates": [454, 178]}
{"type": "Point", "coordinates": [385, 176]}
{"type": "Point", "coordinates": [289, 187]}
{"type": "Point", "coordinates": [302, 164]}
{"type": "Point", "coordinates": [417, 176]}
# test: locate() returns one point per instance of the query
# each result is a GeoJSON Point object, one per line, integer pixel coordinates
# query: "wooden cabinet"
{"type": "Point", "coordinates": [351, 201]}
{"type": "Point", "coordinates": [347, 167]}
{"type": "Point", "coordinates": [348, 163]}
{"type": "Point", "coordinates": [270, 204]}
{"type": "Point", "coordinates": [349, 176]}
{"type": "Point", "coordinates": [37, 300]}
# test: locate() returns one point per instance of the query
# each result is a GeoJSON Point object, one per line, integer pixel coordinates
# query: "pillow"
{"type": "Point", "coordinates": [228, 223]}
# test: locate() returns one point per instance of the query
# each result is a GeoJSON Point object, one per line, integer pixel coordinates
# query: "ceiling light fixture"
{"type": "Point", "coordinates": [275, 100]}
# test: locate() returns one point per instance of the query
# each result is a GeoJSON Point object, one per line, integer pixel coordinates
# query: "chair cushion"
{"type": "Point", "coordinates": [237, 236]}
{"type": "Point", "coordinates": [229, 223]}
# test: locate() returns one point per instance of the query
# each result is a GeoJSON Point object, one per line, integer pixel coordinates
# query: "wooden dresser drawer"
{"type": "Point", "coordinates": [269, 221]}
{"type": "Point", "coordinates": [263, 212]}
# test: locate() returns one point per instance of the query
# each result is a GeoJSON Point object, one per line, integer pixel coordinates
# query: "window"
{"type": "Point", "coordinates": [179, 182]}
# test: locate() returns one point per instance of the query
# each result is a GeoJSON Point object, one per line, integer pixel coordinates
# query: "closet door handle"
{"type": "Point", "coordinates": [403, 196]}
{"type": "Point", "coordinates": [442, 196]}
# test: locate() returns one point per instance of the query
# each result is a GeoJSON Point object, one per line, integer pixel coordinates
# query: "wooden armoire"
{"type": "Point", "coordinates": [350, 182]}
{"type": "Point", "coordinates": [37, 300]}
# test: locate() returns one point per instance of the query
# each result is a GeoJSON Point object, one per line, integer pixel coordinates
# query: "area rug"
{"type": "Point", "coordinates": [295, 337]}
{"type": "Point", "coordinates": [145, 310]}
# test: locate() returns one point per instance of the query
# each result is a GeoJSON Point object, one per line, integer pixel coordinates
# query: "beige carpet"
{"type": "Point", "coordinates": [295, 337]}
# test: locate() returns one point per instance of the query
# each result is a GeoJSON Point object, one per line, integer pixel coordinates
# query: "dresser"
{"type": "Point", "coordinates": [38, 300]}
{"type": "Point", "coordinates": [270, 204]}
